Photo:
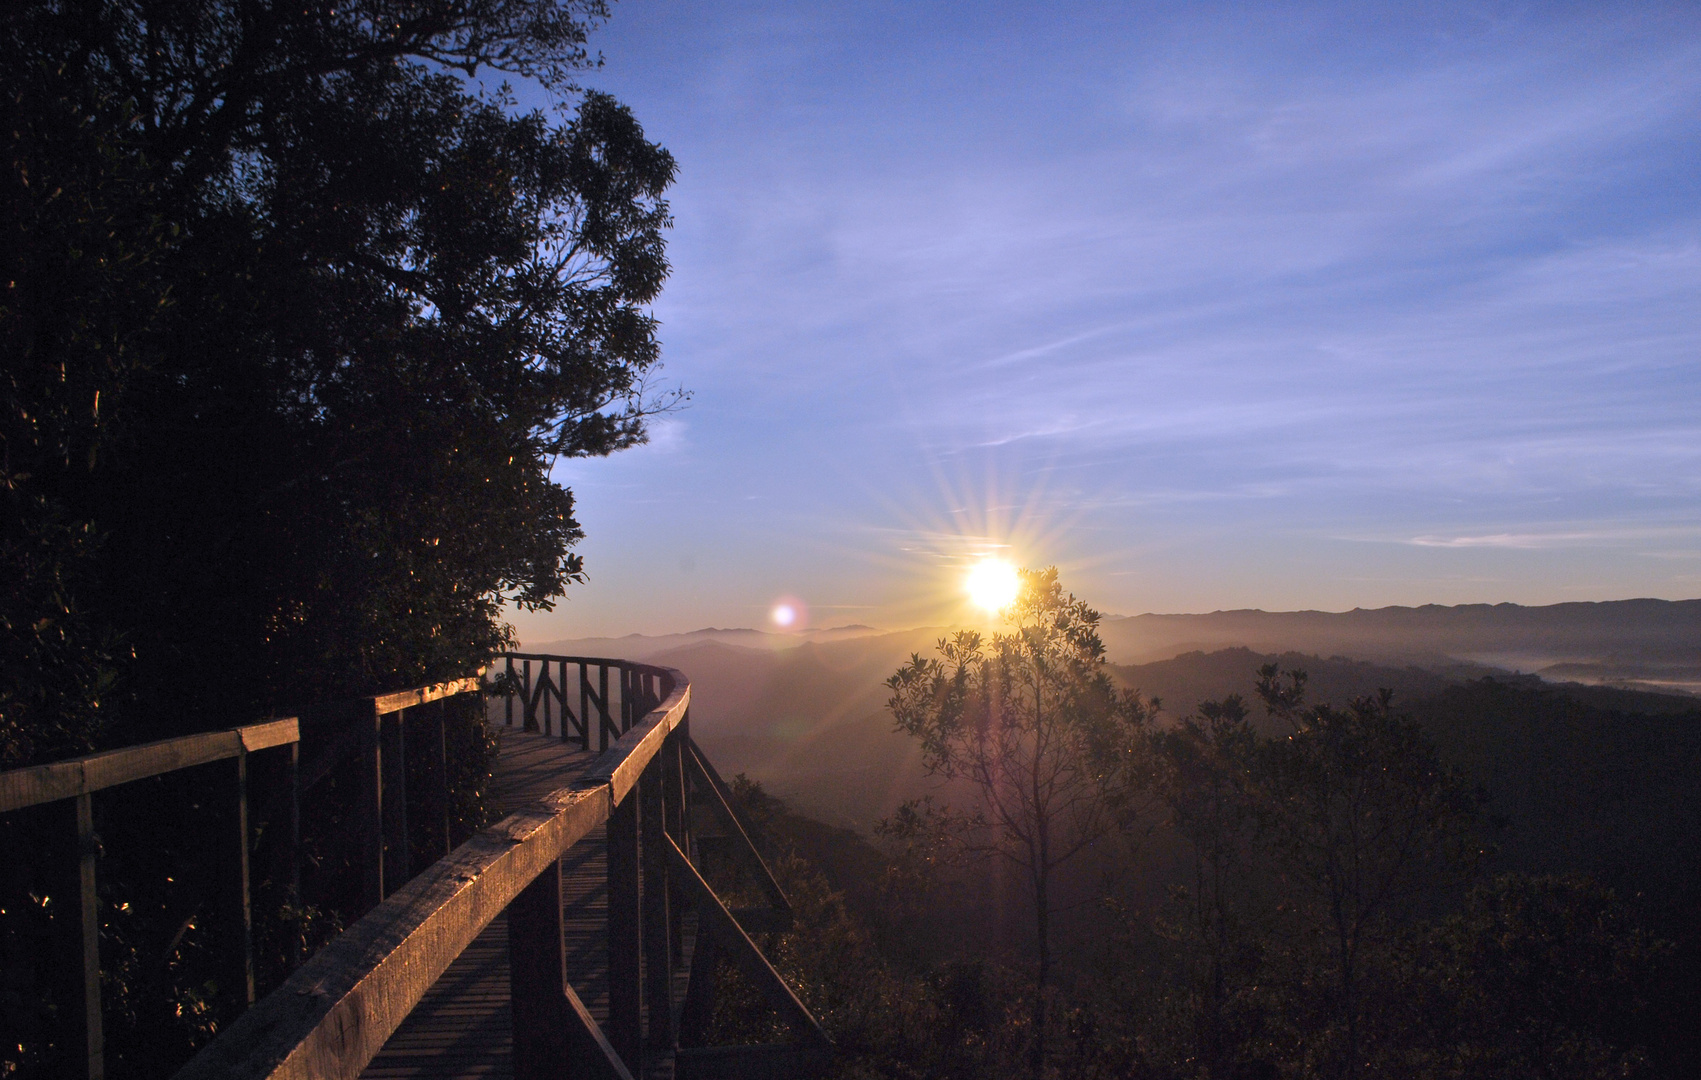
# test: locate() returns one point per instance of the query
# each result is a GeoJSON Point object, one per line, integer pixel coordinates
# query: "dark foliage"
{"type": "Point", "coordinates": [1034, 726]}
{"type": "Point", "coordinates": [1319, 925]}
{"type": "Point", "coordinates": [294, 327]}
{"type": "Point", "coordinates": [1577, 787]}
{"type": "Point", "coordinates": [298, 313]}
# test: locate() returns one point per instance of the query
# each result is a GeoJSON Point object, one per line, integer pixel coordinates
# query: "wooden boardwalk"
{"type": "Point", "coordinates": [463, 1027]}
{"type": "Point", "coordinates": [630, 811]}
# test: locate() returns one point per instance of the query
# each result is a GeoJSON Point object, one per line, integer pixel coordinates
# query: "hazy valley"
{"type": "Point", "coordinates": [805, 713]}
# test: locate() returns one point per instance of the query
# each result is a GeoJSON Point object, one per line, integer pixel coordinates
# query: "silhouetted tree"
{"type": "Point", "coordinates": [1031, 720]}
{"type": "Point", "coordinates": [297, 319]}
{"type": "Point", "coordinates": [1206, 773]}
{"type": "Point", "coordinates": [1534, 976]}
{"type": "Point", "coordinates": [1362, 820]}
{"type": "Point", "coordinates": [298, 310]}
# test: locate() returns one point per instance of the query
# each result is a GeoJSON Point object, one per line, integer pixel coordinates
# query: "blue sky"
{"type": "Point", "coordinates": [1211, 306]}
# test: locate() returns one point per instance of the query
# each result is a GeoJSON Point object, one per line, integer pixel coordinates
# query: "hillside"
{"type": "Point", "coordinates": [1649, 644]}
{"type": "Point", "coordinates": [805, 713]}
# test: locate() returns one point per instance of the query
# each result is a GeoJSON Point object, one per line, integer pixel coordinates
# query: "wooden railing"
{"type": "Point", "coordinates": [333, 1015]}
{"type": "Point", "coordinates": [546, 702]}
{"type": "Point", "coordinates": [75, 782]}
{"type": "Point", "coordinates": [365, 736]}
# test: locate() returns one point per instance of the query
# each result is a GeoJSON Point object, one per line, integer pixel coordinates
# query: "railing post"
{"type": "Point", "coordinates": [537, 979]}
{"type": "Point", "coordinates": [292, 853]}
{"type": "Point", "coordinates": [440, 764]}
{"type": "Point", "coordinates": [528, 722]}
{"type": "Point", "coordinates": [369, 810]}
{"type": "Point", "coordinates": [585, 709]}
{"type": "Point", "coordinates": [602, 707]}
{"type": "Point", "coordinates": [678, 820]}
{"type": "Point", "coordinates": [658, 949]}
{"type": "Point", "coordinates": [395, 812]}
{"type": "Point", "coordinates": [508, 698]}
{"type": "Point", "coordinates": [88, 902]}
{"type": "Point", "coordinates": [240, 915]}
{"type": "Point", "coordinates": [625, 939]}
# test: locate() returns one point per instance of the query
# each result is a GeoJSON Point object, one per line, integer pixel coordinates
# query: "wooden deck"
{"type": "Point", "coordinates": [630, 812]}
{"type": "Point", "coordinates": [463, 1026]}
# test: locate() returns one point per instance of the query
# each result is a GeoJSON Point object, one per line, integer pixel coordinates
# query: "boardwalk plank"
{"type": "Point", "coordinates": [463, 1027]}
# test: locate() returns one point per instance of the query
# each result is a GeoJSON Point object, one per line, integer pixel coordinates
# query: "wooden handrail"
{"type": "Point", "coordinates": [385, 704]}
{"type": "Point", "coordinates": [77, 780]}
{"type": "Point", "coordinates": [337, 1010]}
{"type": "Point", "coordinates": [333, 1015]}
{"type": "Point", "coordinates": [622, 763]}
{"type": "Point", "coordinates": [80, 776]}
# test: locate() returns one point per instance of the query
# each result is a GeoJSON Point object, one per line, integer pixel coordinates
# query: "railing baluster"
{"type": "Point", "coordinates": [544, 692]}
{"type": "Point", "coordinates": [369, 810]}
{"type": "Point", "coordinates": [508, 698]}
{"type": "Point", "coordinates": [88, 900]}
{"type": "Point", "coordinates": [240, 916]}
{"type": "Point", "coordinates": [530, 719]}
{"type": "Point", "coordinates": [292, 854]}
{"type": "Point", "coordinates": [602, 706]}
{"type": "Point", "coordinates": [537, 979]}
{"type": "Point", "coordinates": [626, 699]}
{"type": "Point", "coordinates": [440, 765]}
{"type": "Point", "coordinates": [625, 939]}
{"type": "Point", "coordinates": [565, 711]}
{"type": "Point", "coordinates": [585, 708]}
{"type": "Point", "coordinates": [673, 771]}
{"type": "Point", "coordinates": [658, 948]}
{"type": "Point", "coordinates": [699, 1007]}
{"type": "Point", "coordinates": [395, 802]}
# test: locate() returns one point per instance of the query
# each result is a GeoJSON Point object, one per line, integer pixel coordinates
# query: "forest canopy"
{"type": "Point", "coordinates": [300, 308]}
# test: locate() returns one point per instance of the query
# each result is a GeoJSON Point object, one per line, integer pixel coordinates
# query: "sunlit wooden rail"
{"type": "Point", "coordinates": [590, 885]}
{"type": "Point", "coordinates": [336, 1013]}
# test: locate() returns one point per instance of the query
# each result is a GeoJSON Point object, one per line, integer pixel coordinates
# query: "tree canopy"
{"type": "Point", "coordinates": [300, 309]}
{"type": "Point", "coordinates": [1034, 725]}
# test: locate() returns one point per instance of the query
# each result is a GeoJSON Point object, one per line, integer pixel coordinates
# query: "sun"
{"type": "Point", "coordinates": [992, 584]}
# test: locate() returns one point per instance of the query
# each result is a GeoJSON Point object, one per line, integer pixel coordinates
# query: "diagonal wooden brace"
{"type": "Point", "coordinates": [555, 1037]}
{"type": "Point", "coordinates": [742, 848]}
{"type": "Point", "coordinates": [738, 949]}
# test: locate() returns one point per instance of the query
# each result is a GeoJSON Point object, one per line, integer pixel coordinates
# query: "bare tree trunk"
{"type": "Point", "coordinates": [1042, 918]}
{"type": "Point", "coordinates": [1042, 928]}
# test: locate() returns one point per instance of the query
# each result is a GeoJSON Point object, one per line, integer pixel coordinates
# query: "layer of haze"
{"type": "Point", "coordinates": [1211, 306]}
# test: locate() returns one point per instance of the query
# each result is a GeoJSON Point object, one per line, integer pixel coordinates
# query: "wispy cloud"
{"type": "Point", "coordinates": [1204, 286]}
{"type": "Point", "coordinates": [1530, 541]}
{"type": "Point", "coordinates": [1522, 541]}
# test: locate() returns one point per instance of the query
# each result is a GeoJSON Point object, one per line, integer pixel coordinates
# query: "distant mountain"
{"type": "Point", "coordinates": [1652, 644]}
{"type": "Point", "coordinates": [1645, 644]}
{"type": "Point", "coordinates": [805, 713]}
{"type": "Point", "coordinates": [642, 647]}
{"type": "Point", "coordinates": [811, 722]}
{"type": "Point", "coordinates": [1186, 680]}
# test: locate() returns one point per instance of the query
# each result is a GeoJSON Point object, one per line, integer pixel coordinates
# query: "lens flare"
{"type": "Point", "coordinates": [992, 584]}
{"type": "Point", "coordinates": [786, 614]}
